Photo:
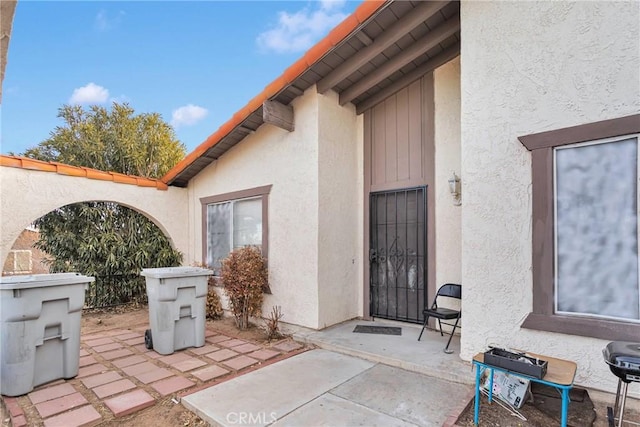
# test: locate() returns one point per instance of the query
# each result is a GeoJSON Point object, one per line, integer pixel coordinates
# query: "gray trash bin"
{"type": "Point", "coordinates": [39, 329]}
{"type": "Point", "coordinates": [177, 307]}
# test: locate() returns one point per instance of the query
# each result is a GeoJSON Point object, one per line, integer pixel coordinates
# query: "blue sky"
{"type": "Point", "coordinates": [194, 62]}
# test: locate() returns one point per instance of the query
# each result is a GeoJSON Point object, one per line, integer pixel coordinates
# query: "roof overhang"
{"type": "Point", "coordinates": [379, 49]}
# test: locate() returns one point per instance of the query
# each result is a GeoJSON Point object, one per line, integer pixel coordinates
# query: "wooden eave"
{"type": "Point", "coordinates": [392, 41]}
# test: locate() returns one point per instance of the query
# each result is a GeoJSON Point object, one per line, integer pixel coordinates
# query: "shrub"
{"type": "Point", "coordinates": [272, 323]}
{"type": "Point", "coordinates": [214, 306]}
{"type": "Point", "coordinates": [244, 275]}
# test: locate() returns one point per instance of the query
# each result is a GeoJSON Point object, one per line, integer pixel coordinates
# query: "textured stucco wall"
{"type": "Point", "coordinates": [446, 81]}
{"type": "Point", "coordinates": [26, 195]}
{"type": "Point", "coordinates": [339, 216]}
{"type": "Point", "coordinates": [539, 66]}
{"type": "Point", "coordinates": [289, 162]}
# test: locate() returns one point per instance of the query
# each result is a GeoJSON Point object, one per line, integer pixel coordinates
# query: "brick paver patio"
{"type": "Point", "coordinates": [118, 376]}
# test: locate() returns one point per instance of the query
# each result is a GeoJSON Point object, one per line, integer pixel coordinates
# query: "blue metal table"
{"type": "Point", "coordinates": [560, 375]}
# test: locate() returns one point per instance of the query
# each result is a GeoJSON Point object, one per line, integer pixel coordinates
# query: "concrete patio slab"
{"type": "Point", "coordinates": [411, 397]}
{"type": "Point", "coordinates": [402, 351]}
{"type": "Point", "coordinates": [276, 389]}
{"type": "Point", "coordinates": [328, 410]}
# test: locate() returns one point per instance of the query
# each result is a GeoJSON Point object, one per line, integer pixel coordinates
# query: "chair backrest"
{"type": "Point", "coordinates": [450, 290]}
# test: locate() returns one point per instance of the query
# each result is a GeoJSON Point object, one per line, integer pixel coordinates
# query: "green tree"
{"type": "Point", "coordinates": [104, 239]}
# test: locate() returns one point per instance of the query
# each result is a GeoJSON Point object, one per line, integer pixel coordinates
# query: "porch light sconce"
{"type": "Point", "coordinates": [454, 188]}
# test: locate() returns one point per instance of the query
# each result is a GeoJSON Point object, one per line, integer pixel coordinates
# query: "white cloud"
{"type": "Point", "coordinates": [104, 22]}
{"type": "Point", "coordinates": [296, 32]}
{"type": "Point", "coordinates": [332, 4]}
{"type": "Point", "coordinates": [89, 94]}
{"type": "Point", "coordinates": [188, 115]}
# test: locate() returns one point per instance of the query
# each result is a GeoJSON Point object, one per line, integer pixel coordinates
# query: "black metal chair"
{"type": "Point", "coordinates": [449, 290]}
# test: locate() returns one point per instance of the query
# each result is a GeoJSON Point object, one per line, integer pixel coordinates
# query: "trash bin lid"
{"type": "Point", "coordinates": [42, 280]}
{"type": "Point", "coordinates": [167, 272]}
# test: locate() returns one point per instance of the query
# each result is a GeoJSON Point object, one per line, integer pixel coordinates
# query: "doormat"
{"type": "Point", "coordinates": [383, 330]}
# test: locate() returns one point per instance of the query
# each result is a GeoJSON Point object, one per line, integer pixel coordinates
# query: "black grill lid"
{"type": "Point", "coordinates": [622, 354]}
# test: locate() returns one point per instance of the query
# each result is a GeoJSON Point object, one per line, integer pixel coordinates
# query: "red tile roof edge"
{"type": "Point", "coordinates": [337, 35]}
{"type": "Point", "coordinates": [64, 169]}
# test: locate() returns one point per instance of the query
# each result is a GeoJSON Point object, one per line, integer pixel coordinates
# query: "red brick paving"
{"type": "Point", "coordinates": [60, 404]}
{"type": "Point", "coordinates": [264, 354]}
{"type": "Point", "coordinates": [133, 341]}
{"type": "Point", "coordinates": [51, 393]}
{"type": "Point", "coordinates": [19, 421]}
{"type": "Point", "coordinates": [209, 373]}
{"type": "Point", "coordinates": [101, 341]}
{"type": "Point", "coordinates": [87, 360]}
{"type": "Point", "coordinates": [126, 377]}
{"type": "Point", "coordinates": [153, 375]}
{"type": "Point", "coordinates": [217, 338]}
{"type": "Point", "coordinates": [208, 348]}
{"type": "Point", "coordinates": [173, 358]}
{"type": "Point", "coordinates": [110, 355]}
{"type": "Point", "coordinates": [128, 403]}
{"type": "Point", "coordinates": [188, 365]}
{"type": "Point", "coordinates": [221, 355]}
{"type": "Point", "coordinates": [139, 368]}
{"type": "Point", "coordinates": [107, 347]}
{"type": "Point", "coordinates": [288, 346]}
{"type": "Point", "coordinates": [231, 343]}
{"type": "Point", "coordinates": [80, 417]}
{"type": "Point", "coordinates": [112, 388]}
{"type": "Point", "coordinates": [128, 361]}
{"type": "Point", "coordinates": [240, 362]}
{"type": "Point", "coordinates": [246, 348]}
{"type": "Point", "coordinates": [171, 385]}
{"type": "Point", "coordinates": [128, 336]}
{"type": "Point", "coordinates": [96, 380]}
{"type": "Point", "coordinates": [91, 370]}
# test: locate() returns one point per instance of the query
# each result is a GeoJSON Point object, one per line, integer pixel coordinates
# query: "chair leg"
{"type": "Point", "coordinates": [440, 325]}
{"type": "Point", "coordinates": [424, 325]}
{"type": "Point", "coordinates": [446, 349]}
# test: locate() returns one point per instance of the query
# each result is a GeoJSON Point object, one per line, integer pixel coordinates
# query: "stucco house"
{"type": "Point", "coordinates": [492, 144]}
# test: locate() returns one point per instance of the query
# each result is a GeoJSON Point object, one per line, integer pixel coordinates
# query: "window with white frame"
{"type": "Point", "coordinates": [596, 229]}
{"type": "Point", "coordinates": [234, 220]}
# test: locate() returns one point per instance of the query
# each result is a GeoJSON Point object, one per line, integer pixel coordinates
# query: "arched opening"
{"type": "Point", "coordinates": [108, 240]}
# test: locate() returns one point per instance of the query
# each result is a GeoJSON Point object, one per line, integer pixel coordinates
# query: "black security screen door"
{"type": "Point", "coordinates": [397, 254]}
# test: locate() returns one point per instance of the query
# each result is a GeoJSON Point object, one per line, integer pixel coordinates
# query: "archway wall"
{"type": "Point", "coordinates": [26, 195]}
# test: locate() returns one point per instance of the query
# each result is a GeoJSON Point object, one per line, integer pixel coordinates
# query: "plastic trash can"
{"type": "Point", "coordinates": [177, 307]}
{"type": "Point", "coordinates": [39, 329]}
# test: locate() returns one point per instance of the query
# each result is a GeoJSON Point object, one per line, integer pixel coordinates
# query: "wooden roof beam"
{"type": "Point", "coordinates": [278, 115]}
{"type": "Point", "coordinates": [447, 55]}
{"type": "Point", "coordinates": [430, 40]}
{"type": "Point", "coordinates": [395, 32]}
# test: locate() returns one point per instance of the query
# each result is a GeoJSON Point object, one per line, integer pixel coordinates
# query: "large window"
{"type": "Point", "coordinates": [585, 230]}
{"type": "Point", "coordinates": [234, 220]}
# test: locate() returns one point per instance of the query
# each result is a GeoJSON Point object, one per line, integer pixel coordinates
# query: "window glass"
{"type": "Point", "coordinates": [247, 223]}
{"type": "Point", "coordinates": [218, 234]}
{"type": "Point", "coordinates": [232, 224]}
{"type": "Point", "coordinates": [596, 232]}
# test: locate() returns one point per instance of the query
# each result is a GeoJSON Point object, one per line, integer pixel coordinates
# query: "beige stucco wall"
{"type": "Point", "coordinates": [289, 162]}
{"type": "Point", "coordinates": [26, 195]}
{"type": "Point", "coordinates": [541, 66]}
{"type": "Point", "coordinates": [446, 81]}
{"type": "Point", "coordinates": [340, 172]}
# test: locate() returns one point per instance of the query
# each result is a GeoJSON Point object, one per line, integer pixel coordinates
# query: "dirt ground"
{"type": "Point", "coordinates": [583, 412]}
